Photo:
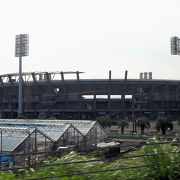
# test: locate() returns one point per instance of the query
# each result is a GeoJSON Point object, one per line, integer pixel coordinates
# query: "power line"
{"type": "Point", "coordinates": [87, 161]}
{"type": "Point", "coordinates": [92, 172]}
{"type": "Point", "coordinates": [84, 149]}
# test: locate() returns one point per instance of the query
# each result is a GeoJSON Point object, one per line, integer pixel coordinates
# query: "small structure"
{"type": "Point", "coordinates": [23, 140]}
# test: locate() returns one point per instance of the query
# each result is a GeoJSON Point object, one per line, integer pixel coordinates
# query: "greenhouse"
{"type": "Point", "coordinates": [90, 131]}
{"type": "Point", "coordinates": [22, 140]}
{"type": "Point", "coordinates": [64, 134]}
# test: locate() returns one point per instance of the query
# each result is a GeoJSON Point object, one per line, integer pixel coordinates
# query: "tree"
{"type": "Point", "coordinates": [178, 120]}
{"type": "Point", "coordinates": [122, 124]}
{"type": "Point", "coordinates": [21, 117]}
{"type": "Point", "coordinates": [105, 121]}
{"type": "Point", "coordinates": [143, 123]}
{"type": "Point", "coordinates": [163, 123]}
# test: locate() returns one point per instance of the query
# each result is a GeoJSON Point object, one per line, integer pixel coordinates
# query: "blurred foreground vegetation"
{"type": "Point", "coordinates": [164, 164]}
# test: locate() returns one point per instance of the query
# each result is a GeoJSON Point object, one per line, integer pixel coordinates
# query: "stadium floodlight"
{"type": "Point", "coordinates": [22, 45]}
{"type": "Point", "coordinates": [21, 49]}
{"type": "Point", "coordinates": [175, 45]}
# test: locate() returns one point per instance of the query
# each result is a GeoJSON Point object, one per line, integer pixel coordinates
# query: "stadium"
{"type": "Point", "coordinates": [51, 94]}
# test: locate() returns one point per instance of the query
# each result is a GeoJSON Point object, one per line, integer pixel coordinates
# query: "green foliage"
{"type": "Point", "coordinates": [52, 118]}
{"type": "Point", "coordinates": [164, 165]}
{"type": "Point", "coordinates": [166, 160]}
{"type": "Point", "coordinates": [21, 117]}
{"type": "Point", "coordinates": [122, 124]}
{"type": "Point", "coordinates": [163, 162]}
{"type": "Point", "coordinates": [71, 168]}
{"type": "Point", "coordinates": [7, 175]}
{"type": "Point", "coordinates": [143, 123]}
{"type": "Point", "coordinates": [163, 123]}
{"type": "Point", "coordinates": [105, 121]}
{"type": "Point", "coordinates": [178, 120]}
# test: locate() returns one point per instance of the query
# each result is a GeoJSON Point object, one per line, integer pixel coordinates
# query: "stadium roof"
{"type": "Point", "coordinates": [54, 73]}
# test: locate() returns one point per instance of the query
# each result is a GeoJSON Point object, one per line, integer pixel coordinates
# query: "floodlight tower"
{"type": "Point", "coordinates": [21, 49]}
{"type": "Point", "coordinates": [175, 45]}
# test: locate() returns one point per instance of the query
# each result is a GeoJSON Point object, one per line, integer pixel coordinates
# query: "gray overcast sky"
{"type": "Point", "coordinates": [93, 36]}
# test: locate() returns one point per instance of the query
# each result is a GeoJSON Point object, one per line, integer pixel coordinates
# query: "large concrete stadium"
{"type": "Point", "coordinates": [51, 94]}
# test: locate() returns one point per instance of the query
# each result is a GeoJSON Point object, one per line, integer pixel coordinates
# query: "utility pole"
{"type": "Point", "coordinates": [133, 118]}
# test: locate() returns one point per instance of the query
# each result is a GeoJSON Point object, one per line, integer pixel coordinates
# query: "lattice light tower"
{"type": "Point", "coordinates": [21, 49]}
{"type": "Point", "coordinates": [175, 45]}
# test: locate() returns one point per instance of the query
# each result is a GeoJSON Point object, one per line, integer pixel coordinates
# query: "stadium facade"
{"type": "Point", "coordinates": [47, 94]}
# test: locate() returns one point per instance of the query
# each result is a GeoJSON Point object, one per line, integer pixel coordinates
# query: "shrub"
{"type": "Point", "coordinates": [165, 161]}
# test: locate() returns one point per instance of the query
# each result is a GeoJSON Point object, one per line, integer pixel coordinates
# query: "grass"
{"type": "Point", "coordinates": [168, 167]}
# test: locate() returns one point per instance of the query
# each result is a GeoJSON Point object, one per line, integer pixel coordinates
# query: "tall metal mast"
{"type": "Point", "coordinates": [21, 49]}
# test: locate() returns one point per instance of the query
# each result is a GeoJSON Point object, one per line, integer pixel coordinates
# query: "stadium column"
{"type": "Point", "coordinates": [10, 99]}
{"type": "Point", "coordinates": [2, 95]}
{"type": "Point", "coordinates": [151, 103]}
{"type": "Point", "coordinates": [177, 97]}
{"type": "Point", "coordinates": [109, 95]}
{"type": "Point", "coordinates": [79, 110]}
{"type": "Point", "coordinates": [48, 75]}
{"type": "Point", "coordinates": [164, 98]}
{"type": "Point", "coordinates": [123, 96]}
{"type": "Point", "coordinates": [65, 96]}
{"type": "Point", "coordinates": [133, 118]}
{"type": "Point", "coordinates": [94, 101]}
{"type": "Point", "coordinates": [35, 113]}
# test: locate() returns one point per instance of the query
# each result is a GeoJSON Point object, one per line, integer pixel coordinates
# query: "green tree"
{"type": "Point", "coordinates": [21, 117]}
{"type": "Point", "coordinates": [105, 121]}
{"type": "Point", "coordinates": [178, 120]}
{"type": "Point", "coordinates": [163, 123]}
{"type": "Point", "coordinates": [143, 123]}
{"type": "Point", "coordinates": [166, 161]}
{"type": "Point", "coordinates": [52, 118]}
{"type": "Point", "coordinates": [122, 124]}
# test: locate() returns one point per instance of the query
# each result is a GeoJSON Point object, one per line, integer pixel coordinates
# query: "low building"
{"type": "Point", "coordinates": [23, 141]}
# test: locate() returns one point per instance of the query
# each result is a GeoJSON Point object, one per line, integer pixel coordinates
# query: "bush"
{"type": "Point", "coordinates": [166, 161]}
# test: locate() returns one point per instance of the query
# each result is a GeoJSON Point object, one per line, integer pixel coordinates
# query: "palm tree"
{"type": "Point", "coordinates": [122, 124]}
{"type": "Point", "coordinates": [105, 121]}
{"type": "Point", "coordinates": [178, 120]}
{"type": "Point", "coordinates": [163, 123]}
{"type": "Point", "coordinates": [143, 123]}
